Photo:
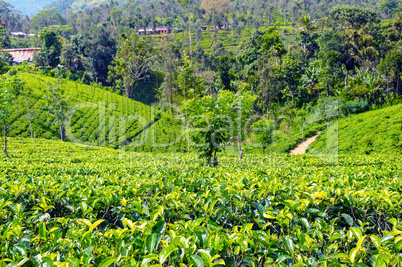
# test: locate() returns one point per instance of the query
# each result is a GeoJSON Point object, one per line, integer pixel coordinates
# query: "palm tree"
{"type": "Point", "coordinates": [306, 25]}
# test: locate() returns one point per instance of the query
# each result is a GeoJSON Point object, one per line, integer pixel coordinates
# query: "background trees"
{"type": "Point", "coordinates": [51, 48]}
{"type": "Point", "coordinates": [46, 18]}
{"type": "Point", "coordinates": [133, 61]}
{"type": "Point", "coordinates": [289, 56]}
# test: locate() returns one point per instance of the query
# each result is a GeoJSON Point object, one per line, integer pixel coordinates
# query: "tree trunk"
{"type": "Point", "coordinates": [293, 99]}
{"type": "Point", "coordinates": [270, 19]}
{"type": "Point", "coordinates": [346, 78]}
{"type": "Point", "coordinates": [30, 126]}
{"type": "Point", "coordinates": [189, 34]}
{"type": "Point", "coordinates": [171, 95]}
{"type": "Point", "coordinates": [239, 146]}
{"type": "Point", "coordinates": [62, 132]}
{"type": "Point", "coordinates": [215, 163]}
{"type": "Point", "coordinates": [267, 107]}
{"type": "Point", "coordinates": [5, 139]}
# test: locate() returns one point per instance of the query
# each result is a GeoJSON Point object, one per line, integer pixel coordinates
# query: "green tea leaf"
{"type": "Point", "coordinates": [348, 219]}
{"type": "Point", "coordinates": [107, 262]}
{"type": "Point", "coordinates": [165, 253]}
{"type": "Point", "coordinates": [197, 261]}
{"type": "Point", "coordinates": [289, 245]}
{"type": "Point", "coordinates": [151, 242]}
{"type": "Point", "coordinates": [260, 209]}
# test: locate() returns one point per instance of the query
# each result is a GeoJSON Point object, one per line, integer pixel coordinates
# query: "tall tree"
{"type": "Point", "coordinates": [170, 62]}
{"type": "Point", "coordinates": [392, 66]}
{"type": "Point", "coordinates": [47, 18]}
{"type": "Point", "coordinates": [223, 68]}
{"type": "Point", "coordinates": [133, 62]}
{"type": "Point", "coordinates": [58, 105]}
{"type": "Point", "coordinates": [51, 48]}
{"type": "Point", "coordinates": [215, 119]}
{"type": "Point", "coordinates": [6, 108]}
{"type": "Point", "coordinates": [99, 47]}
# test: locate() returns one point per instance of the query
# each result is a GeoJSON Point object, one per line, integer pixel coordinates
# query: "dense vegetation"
{"type": "Point", "coordinates": [87, 205]}
{"type": "Point", "coordinates": [173, 148]}
{"type": "Point", "coordinates": [94, 116]}
{"type": "Point", "coordinates": [377, 131]}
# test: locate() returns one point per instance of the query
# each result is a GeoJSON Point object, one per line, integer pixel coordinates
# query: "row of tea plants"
{"type": "Point", "coordinates": [73, 205]}
{"type": "Point", "coordinates": [96, 116]}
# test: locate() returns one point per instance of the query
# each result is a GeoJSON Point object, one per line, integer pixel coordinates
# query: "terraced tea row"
{"type": "Point", "coordinates": [96, 117]}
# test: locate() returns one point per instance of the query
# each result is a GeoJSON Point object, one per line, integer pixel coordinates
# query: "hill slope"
{"type": "Point", "coordinates": [378, 131]}
{"type": "Point", "coordinates": [96, 117]}
{"type": "Point", "coordinates": [29, 7]}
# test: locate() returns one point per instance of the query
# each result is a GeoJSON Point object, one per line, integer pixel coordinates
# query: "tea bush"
{"type": "Point", "coordinates": [98, 117]}
{"type": "Point", "coordinates": [68, 205]}
{"type": "Point", "coordinates": [378, 131]}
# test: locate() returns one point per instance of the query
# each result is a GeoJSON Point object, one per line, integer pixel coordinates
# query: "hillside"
{"type": "Point", "coordinates": [33, 6]}
{"type": "Point", "coordinates": [96, 117]}
{"type": "Point", "coordinates": [74, 4]}
{"type": "Point", "coordinates": [29, 7]}
{"type": "Point", "coordinates": [378, 131]}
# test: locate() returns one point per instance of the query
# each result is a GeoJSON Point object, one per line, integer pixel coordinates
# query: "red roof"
{"type": "Point", "coordinates": [2, 22]}
{"type": "Point", "coordinates": [22, 54]}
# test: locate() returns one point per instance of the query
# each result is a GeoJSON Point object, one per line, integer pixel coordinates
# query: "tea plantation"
{"type": "Point", "coordinates": [75, 205]}
{"type": "Point", "coordinates": [96, 117]}
{"type": "Point", "coordinates": [378, 131]}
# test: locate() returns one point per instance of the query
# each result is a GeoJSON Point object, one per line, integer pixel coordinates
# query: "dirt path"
{"type": "Point", "coordinates": [302, 147]}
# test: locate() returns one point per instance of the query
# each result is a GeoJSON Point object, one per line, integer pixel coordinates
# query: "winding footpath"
{"type": "Point", "coordinates": [302, 147]}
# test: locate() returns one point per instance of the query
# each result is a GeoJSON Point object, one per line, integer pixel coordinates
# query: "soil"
{"type": "Point", "coordinates": [302, 147]}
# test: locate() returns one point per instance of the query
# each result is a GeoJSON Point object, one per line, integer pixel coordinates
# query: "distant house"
{"type": "Point", "coordinates": [203, 28]}
{"type": "Point", "coordinates": [20, 35]}
{"type": "Point", "coordinates": [146, 31]}
{"type": "Point", "coordinates": [162, 29]}
{"type": "Point", "coordinates": [22, 54]}
{"type": "Point", "coordinates": [227, 26]}
{"type": "Point", "coordinates": [157, 30]}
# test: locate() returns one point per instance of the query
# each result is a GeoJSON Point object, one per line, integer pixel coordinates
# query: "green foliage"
{"type": "Point", "coordinates": [94, 116]}
{"type": "Point", "coordinates": [132, 63]}
{"type": "Point", "coordinates": [258, 44]}
{"type": "Point", "coordinates": [47, 18]}
{"type": "Point", "coordinates": [376, 131]}
{"type": "Point", "coordinates": [51, 48]}
{"type": "Point", "coordinates": [353, 16]}
{"type": "Point", "coordinates": [214, 120]}
{"type": "Point", "coordinates": [223, 67]}
{"type": "Point", "coordinates": [86, 206]}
